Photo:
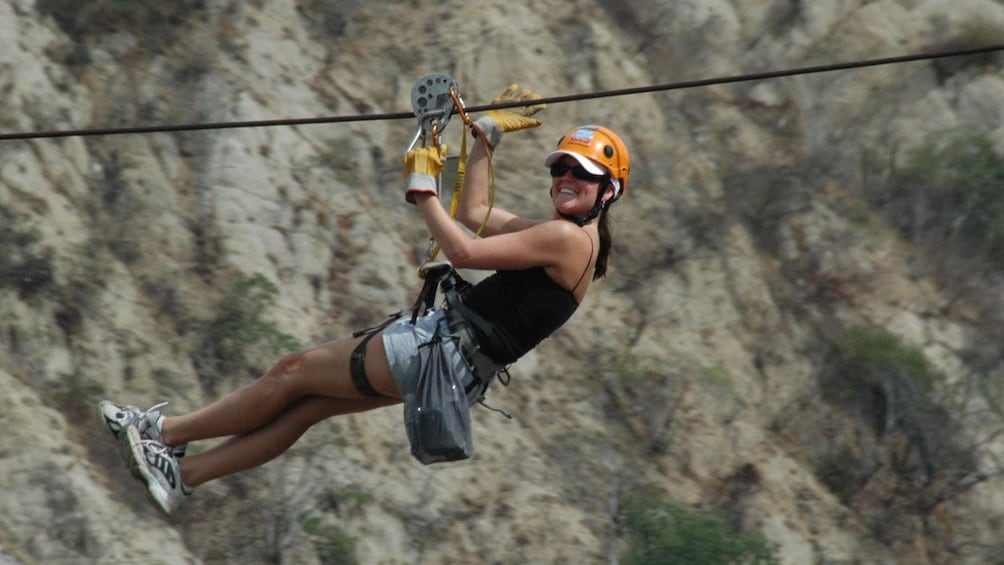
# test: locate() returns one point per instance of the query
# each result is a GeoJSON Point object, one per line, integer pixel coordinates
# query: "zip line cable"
{"type": "Point", "coordinates": [552, 100]}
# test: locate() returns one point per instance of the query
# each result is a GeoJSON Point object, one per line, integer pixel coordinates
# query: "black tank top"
{"type": "Point", "coordinates": [524, 307]}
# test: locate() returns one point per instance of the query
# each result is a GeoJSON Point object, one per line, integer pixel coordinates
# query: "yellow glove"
{"type": "Point", "coordinates": [421, 170]}
{"type": "Point", "coordinates": [494, 123]}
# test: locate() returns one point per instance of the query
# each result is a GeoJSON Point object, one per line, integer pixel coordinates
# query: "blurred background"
{"type": "Point", "coordinates": [795, 356]}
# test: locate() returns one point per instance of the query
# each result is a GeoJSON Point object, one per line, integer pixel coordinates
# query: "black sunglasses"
{"type": "Point", "coordinates": [578, 171]}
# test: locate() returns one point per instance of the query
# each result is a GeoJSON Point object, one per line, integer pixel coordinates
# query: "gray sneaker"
{"type": "Point", "coordinates": [156, 465]}
{"type": "Point", "coordinates": [117, 417]}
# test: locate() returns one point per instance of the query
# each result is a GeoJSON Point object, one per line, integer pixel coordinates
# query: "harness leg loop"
{"type": "Point", "coordinates": [357, 365]}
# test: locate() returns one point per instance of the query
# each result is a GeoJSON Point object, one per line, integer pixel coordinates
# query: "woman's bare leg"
{"type": "Point", "coordinates": [257, 447]}
{"type": "Point", "coordinates": [321, 371]}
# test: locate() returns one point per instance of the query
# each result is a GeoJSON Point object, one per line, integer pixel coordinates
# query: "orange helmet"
{"type": "Point", "coordinates": [596, 145]}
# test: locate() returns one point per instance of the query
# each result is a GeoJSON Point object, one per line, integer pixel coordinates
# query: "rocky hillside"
{"type": "Point", "coordinates": [797, 345]}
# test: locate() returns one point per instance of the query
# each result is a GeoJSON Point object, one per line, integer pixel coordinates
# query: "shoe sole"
{"type": "Point", "coordinates": [138, 467]}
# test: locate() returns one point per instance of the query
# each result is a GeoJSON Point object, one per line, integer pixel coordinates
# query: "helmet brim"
{"type": "Point", "coordinates": [588, 164]}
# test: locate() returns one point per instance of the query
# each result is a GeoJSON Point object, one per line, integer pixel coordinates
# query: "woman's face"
{"type": "Point", "coordinates": [573, 189]}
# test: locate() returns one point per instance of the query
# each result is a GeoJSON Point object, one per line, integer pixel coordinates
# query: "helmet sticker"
{"type": "Point", "coordinates": [583, 135]}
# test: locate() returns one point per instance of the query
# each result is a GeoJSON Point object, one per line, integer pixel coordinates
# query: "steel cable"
{"type": "Point", "coordinates": [551, 100]}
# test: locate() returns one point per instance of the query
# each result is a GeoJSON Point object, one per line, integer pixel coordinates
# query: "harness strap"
{"type": "Point", "coordinates": [357, 361]}
{"type": "Point", "coordinates": [462, 321]}
{"type": "Point", "coordinates": [433, 273]}
{"type": "Point", "coordinates": [452, 294]}
{"type": "Point", "coordinates": [357, 366]}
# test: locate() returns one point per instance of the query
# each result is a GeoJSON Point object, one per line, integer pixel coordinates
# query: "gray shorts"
{"type": "Point", "coordinates": [401, 340]}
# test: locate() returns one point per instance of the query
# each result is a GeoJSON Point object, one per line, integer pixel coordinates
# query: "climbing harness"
{"type": "Point", "coordinates": [461, 322]}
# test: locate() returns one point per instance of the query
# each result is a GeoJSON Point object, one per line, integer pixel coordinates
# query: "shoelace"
{"type": "Point", "coordinates": [158, 448]}
{"type": "Point", "coordinates": [146, 416]}
{"type": "Point", "coordinates": [176, 450]}
{"type": "Point", "coordinates": [154, 407]}
{"type": "Point", "coordinates": [144, 422]}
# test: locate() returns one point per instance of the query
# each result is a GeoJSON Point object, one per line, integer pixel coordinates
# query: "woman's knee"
{"type": "Point", "coordinates": [283, 375]}
{"type": "Point", "coordinates": [326, 371]}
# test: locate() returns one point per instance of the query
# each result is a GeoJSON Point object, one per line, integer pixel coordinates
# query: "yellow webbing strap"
{"type": "Point", "coordinates": [458, 184]}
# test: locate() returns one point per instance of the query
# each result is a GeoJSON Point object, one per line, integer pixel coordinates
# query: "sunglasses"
{"type": "Point", "coordinates": [578, 171]}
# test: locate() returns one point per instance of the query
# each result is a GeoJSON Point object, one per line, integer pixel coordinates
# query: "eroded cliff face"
{"type": "Point", "coordinates": [756, 233]}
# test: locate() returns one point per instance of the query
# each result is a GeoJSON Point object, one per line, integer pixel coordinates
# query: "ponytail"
{"type": "Point", "coordinates": [606, 241]}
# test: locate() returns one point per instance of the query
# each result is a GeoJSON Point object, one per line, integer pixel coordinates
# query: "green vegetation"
{"type": "Point", "coordinates": [333, 545]}
{"type": "Point", "coordinates": [964, 181]}
{"type": "Point", "coordinates": [240, 337]}
{"type": "Point", "coordinates": [892, 389]}
{"type": "Point", "coordinates": [870, 356]}
{"type": "Point", "coordinates": [346, 499]}
{"type": "Point", "coordinates": [878, 377]}
{"type": "Point", "coordinates": [643, 397]}
{"type": "Point", "coordinates": [636, 369]}
{"type": "Point", "coordinates": [240, 325]}
{"type": "Point", "coordinates": [662, 533]}
{"type": "Point", "coordinates": [950, 197]}
{"type": "Point", "coordinates": [717, 375]}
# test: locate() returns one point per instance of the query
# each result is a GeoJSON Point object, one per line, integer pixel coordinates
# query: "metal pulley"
{"type": "Point", "coordinates": [433, 98]}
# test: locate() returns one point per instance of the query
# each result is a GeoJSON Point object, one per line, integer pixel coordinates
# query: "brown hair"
{"type": "Point", "coordinates": [606, 241]}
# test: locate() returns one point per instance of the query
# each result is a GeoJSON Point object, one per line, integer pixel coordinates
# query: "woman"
{"type": "Point", "coordinates": [541, 278]}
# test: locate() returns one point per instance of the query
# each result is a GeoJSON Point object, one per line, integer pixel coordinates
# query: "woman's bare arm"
{"type": "Point", "coordinates": [542, 244]}
{"type": "Point", "coordinates": [474, 204]}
